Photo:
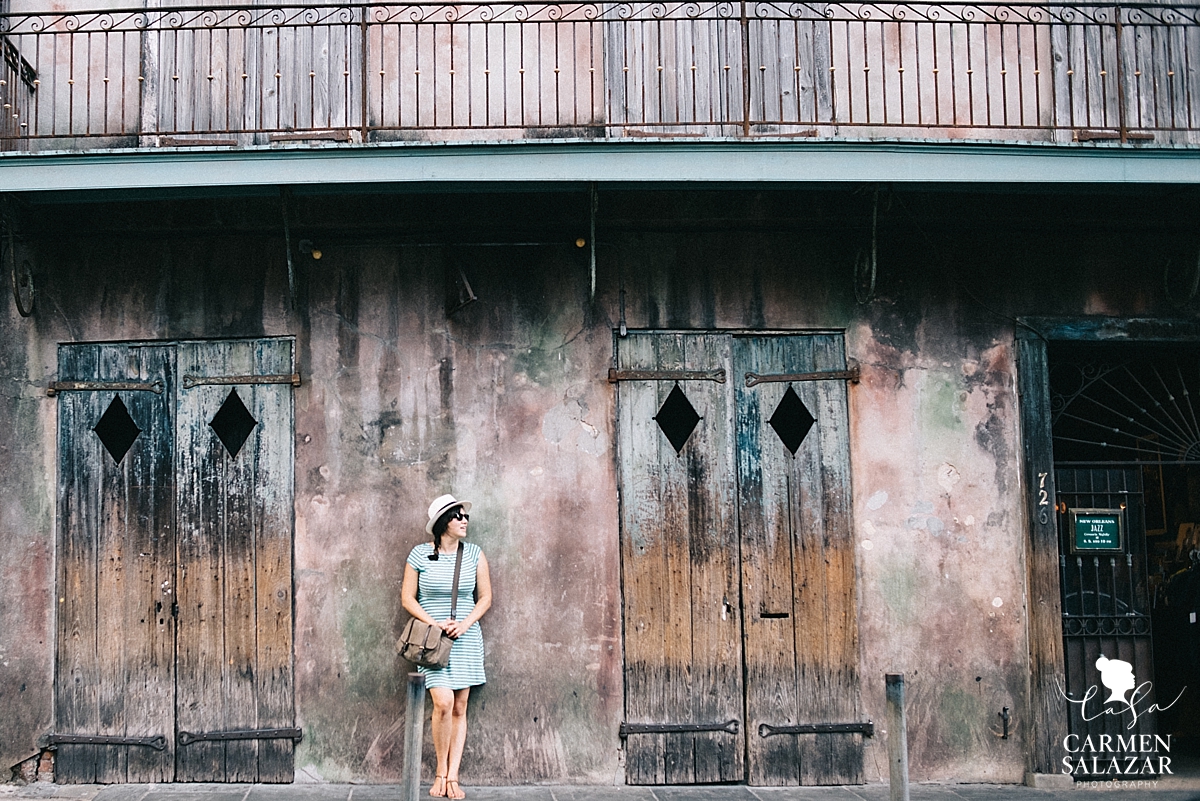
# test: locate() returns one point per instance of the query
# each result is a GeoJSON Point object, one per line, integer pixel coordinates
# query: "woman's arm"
{"type": "Point", "coordinates": [483, 585]}
{"type": "Point", "coordinates": [408, 597]}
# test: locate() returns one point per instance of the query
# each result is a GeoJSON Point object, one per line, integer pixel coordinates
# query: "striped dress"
{"type": "Point", "coordinates": [436, 577]}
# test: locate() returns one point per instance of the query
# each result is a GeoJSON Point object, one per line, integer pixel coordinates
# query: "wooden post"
{"type": "Point", "coordinates": [414, 724]}
{"type": "Point", "coordinates": [897, 742]}
{"type": "Point", "coordinates": [1047, 713]}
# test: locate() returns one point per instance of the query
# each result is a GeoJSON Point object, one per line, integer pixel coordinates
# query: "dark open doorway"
{"type": "Point", "coordinates": [1126, 431]}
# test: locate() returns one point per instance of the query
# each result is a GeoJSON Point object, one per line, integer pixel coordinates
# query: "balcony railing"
{"type": "Point", "coordinates": [247, 74]}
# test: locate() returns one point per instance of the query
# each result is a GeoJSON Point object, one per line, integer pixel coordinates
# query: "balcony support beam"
{"type": "Point", "coordinates": [709, 162]}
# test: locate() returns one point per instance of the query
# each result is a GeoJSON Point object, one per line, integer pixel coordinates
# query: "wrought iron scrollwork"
{"type": "Point", "coordinates": [1134, 409]}
{"type": "Point", "coordinates": [1106, 625]}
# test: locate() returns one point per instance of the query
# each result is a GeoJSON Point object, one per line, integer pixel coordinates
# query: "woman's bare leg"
{"type": "Point", "coordinates": [458, 739]}
{"type": "Point", "coordinates": [443, 735]}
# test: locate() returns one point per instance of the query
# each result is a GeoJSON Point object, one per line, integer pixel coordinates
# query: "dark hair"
{"type": "Point", "coordinates": [439, 528]}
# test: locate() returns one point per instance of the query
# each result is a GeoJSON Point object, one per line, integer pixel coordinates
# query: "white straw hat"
{"type": "Point", "coordinates": [440, 505]}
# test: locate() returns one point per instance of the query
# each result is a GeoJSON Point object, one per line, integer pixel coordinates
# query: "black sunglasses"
{"type": "Point", "coordinates": [460, 515]}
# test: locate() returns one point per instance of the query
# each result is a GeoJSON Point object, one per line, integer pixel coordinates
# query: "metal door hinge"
{"type": "Point", "coordinates": [615, 375]}
{"type": "Point", "coordinates": [104, 386]}
{"type": "Point", "coordinates": [867, 729]}
{"type": "Point", "coordinates": [295, 735]}
{"type": "Point", "coordinates": [53, 741]}
{"type": "Point", "coordinates": [191, 381]}
{"type": "Point", "coordinates": [627, 729]}
{"type": "Point", "coordinates": [852, 373]}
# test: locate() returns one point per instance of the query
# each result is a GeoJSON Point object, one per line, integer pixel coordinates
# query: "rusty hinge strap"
{"type": "Point", "coordinates": [104, 386]}
{"type": "Point", "coordinates": [52, 741]}
{"type": "Point", "coordinates": [1086, 135]}
{"type": "Point", "coordinates": [190, 381]}
{"type": "Point", "coordinates": [627, 729]}
{"type": "Point", "coordinates": [867, 729]}
{"type": "Point", "coordinates": [296, 735]}
{"type": "Point", "coordinates": [179, 141]}
{"type": "Point", "coordinates": [851, 374]}
{"type": "Point", "coordinates": [615, 375]}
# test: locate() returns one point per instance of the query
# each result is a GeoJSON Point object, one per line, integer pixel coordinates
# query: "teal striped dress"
{"type": "Point", "coordinates": [436, 577]}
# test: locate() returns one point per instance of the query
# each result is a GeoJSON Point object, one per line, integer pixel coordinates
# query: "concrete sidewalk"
{"type": "Point", "coordinates": [1172, 790]}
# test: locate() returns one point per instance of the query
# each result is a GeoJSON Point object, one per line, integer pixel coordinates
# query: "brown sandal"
{"type": "Point", "coordinates": [461, 794]}
{"type": "Point", "coordinates": [433, 787]}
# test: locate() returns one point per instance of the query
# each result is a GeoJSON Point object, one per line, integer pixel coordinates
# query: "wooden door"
{"type": "Point", "coordinates": [798, 587]}
{"type": "Point", "coordinates": [738, 572]}
{"type": "Point", "coordinates": [234, 463]}
{"type": "Point", "coordinates": [679, 551]}
{"type": "Point", "coordinates": [174, 652]}
{"type": "Point", "coordinates": [115, 677]}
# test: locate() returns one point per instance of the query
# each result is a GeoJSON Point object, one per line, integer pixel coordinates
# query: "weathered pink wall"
{"type": "Point", "coordinates": [500, 405]}
{"type": "Point", "coordinates": [940, 550]}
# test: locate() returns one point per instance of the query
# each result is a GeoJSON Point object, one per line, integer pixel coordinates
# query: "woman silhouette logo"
{"type": "Point", "coordinates": [1117, 676]}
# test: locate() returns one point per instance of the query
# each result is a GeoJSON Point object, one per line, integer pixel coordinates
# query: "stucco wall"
{"type": "Point", "coordinates": [506, 404]}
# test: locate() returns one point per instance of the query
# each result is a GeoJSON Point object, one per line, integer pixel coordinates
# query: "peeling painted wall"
{"type": "Point", "coordinates": [506, 404]}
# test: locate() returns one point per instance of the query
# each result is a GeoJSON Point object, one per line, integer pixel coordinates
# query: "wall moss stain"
{"type": "Point", "coordinates": [900, 588]}
{"type": "Point", "coordinates": [941, 405]}
{"type": "Point", "coordinates": [959, 724]}
{"type": "Point", "coordinates": [366, 623]}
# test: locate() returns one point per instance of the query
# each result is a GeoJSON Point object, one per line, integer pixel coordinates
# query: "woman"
{"type": "Point", "coordinates": [428, 578]}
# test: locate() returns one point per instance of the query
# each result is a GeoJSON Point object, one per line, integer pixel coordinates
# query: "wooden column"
{"type": "Point", "coordinates": [1047, 713]}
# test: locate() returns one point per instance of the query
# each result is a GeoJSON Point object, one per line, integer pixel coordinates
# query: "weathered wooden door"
{"type": "Point", "coordinates": [175, 572]}
{"type": "Point", "coordinates": [739, 598]}
{"type": "Point", "coordinates": [234, 463]}
{"type": "Point", "coordinates": [115, 678]}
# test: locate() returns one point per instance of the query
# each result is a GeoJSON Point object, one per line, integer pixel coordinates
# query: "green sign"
{"type": "Point", "coordinates": [1097, 529]}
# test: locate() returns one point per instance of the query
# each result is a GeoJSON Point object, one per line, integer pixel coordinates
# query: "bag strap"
{"type": "Point", "coordinates": [458, 557]}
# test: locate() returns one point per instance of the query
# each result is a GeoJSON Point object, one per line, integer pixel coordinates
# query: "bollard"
{"type": "Point", "coordinates": [414, 725]}
{"type": "Point", "coordinates": [897, 743]}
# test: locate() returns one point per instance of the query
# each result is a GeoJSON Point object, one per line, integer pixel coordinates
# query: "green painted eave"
{"type": "Point", "coordinates": [626, 161]}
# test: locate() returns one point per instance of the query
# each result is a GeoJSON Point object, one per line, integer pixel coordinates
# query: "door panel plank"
{"type": "Point", "coordinates": [201, 641]}
{"type": "Point", "coordinates": [838, 758]}
{"type": "Point", "coordinates": [765, 496]}
{"type": "Point", "coordinates": [272, 406]}
{"type": "Point", "coordinates": [76, 704]}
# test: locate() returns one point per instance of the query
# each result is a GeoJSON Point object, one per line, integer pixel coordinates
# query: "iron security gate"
{"type": "Point", "coordinates": [1105, 602]}
{"type": "Point", "coordinates": [741, 639]}
{"type": "Point", "coordinates": [174, 643]}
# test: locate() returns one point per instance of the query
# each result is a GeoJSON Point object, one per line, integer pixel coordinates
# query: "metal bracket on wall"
{"type": "Point", "coordinates": [53, 741]}
{"type": "Point", "coordinates": [285, 202]}
{"type": "Point", "coordinates": [192, 381]}
{"type": "Point", "coordinates": [104, 386]}
{"type": "Point", "coordinates": [867, 729]}
{"type": "Point", "coordinates": [20, 270]}
{"type": "Point", "coordinates": [295, 735]}
{"type": "Point", "coordinates": [852, 373]}
{"type": "Point", "coordinates": [615, 375]}
{"type": "Point", "coordinates": [626, 729]}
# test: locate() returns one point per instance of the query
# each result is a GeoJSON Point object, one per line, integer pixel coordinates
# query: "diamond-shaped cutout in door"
{"type": "Point", "coordinates": [677, 418]}
{"type": "Point", "coordinates": [233, 423]}
{"type": "Point", "coordinates": [116, 430]}
{"type": "Point", "coordinates": [791, 420]}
